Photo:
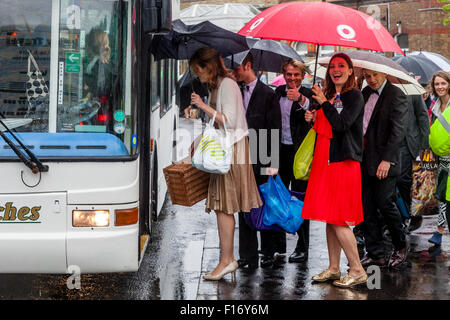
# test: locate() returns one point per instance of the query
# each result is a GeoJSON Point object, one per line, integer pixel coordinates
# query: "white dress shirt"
{"type": "Point", "coordinates": [370, 105]}
{"type": "Point", "coordinates": [248, 93]}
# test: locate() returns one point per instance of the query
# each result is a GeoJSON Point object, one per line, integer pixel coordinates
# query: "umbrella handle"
{"type": "Point", "coordinates": [192, 88]}
{"type": "Point", "coordinates": [315, 65]}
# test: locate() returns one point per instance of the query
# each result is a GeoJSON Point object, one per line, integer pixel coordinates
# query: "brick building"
{"type": "Point", "coordinates": [415, 24]}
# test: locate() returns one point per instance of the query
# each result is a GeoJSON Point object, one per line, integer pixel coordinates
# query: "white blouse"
{"type": "Point", "coordinates": [229, 102]}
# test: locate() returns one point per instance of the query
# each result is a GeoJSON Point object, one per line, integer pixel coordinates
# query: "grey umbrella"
{"type": "Point", "coordinates": [268, 55]}
{"type": "Point", "coordinates": [419, 66]}
{"type": "Point", "coordinates": [376, 62]}
{"type": "Point", "coordinates": [184, 40]}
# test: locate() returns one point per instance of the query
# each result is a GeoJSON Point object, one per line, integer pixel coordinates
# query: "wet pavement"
{"type": "Point", "coordinates": [184, 246]}
{"type": "Point", "coordinates": [424, 276]}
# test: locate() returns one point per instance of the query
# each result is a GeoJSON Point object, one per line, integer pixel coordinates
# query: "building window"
{"type": "Point", "coordinates": [403, 42]}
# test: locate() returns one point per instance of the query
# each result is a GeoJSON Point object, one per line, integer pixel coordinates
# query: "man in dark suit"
{"type": "Point", "coordinates": [263, 118]}
{"type": "Point", "coordinates": [294, 101]}
{"type": "Point", "coordinates": [384, 125]}
{"type": "Point", "coordinates": [416, 139]}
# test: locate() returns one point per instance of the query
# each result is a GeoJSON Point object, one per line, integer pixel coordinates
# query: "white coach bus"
{"type": "Point", "coordinates": [87, 123]}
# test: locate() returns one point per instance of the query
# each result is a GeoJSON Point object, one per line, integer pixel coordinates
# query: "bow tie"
{"type": "Point", "coordinates": [374, 91]}
{"type": "Point", "coordinates": [244, 87]}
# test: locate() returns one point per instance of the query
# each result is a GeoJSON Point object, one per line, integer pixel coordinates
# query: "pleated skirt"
{"type": "Point", "coordinates": [235, 191]}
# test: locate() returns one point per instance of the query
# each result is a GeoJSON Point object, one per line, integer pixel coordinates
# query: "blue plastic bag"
{"type": "Point", "coordinates": [281, 207]}
{"type": "Point", "coordinates": [254, 218]}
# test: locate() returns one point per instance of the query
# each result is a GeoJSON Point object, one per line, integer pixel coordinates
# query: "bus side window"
{"type": "Point", "coordinates": [154, 85]}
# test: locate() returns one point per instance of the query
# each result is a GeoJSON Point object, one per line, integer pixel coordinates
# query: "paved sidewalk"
{"type": "Point", "coordinates": [424, 276]}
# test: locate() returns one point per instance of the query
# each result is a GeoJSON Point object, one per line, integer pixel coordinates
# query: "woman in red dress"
{"type": "Point", "coordinates": [334, 188]}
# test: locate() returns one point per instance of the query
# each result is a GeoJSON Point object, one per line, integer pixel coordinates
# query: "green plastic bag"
{"type": "Point", "coordinates": [304, 155]}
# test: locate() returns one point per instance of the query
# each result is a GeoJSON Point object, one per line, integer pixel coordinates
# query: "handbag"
{"type": "Point", "coordinates": [423, 187]}
{"type": "Point", "coordinates": [37, 94]}
{"type": "Point", "coordinates": [280, 207]}
{"type": "Point", "coordinates": [441, 185]}
{"type": "Point", "coordinates": [214, 152]}
{"type": "Point", "coordinates": [303, 156]}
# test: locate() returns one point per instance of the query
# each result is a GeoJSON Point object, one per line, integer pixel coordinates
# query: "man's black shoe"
{"type": "Point", "coordinates": [298, 256]}
{"type": "Point", "coordinates": [415, 223]}
{"type": "Point", "coordinates": [266, 261]}
{"type": "Point", "coordinates": [367, 261]}
{"type": "Point", "coordinates": [247, 264]}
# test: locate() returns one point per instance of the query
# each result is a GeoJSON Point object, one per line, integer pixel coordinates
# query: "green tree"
{"type": "Point", "coordinates": [446, 7]}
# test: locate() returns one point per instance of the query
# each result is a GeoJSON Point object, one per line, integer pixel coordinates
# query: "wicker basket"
{"type": "Point", "coordinates": [186, 184]}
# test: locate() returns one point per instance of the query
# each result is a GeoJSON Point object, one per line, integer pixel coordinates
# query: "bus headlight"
{"type": "Point", "coordinates": [90, 218]}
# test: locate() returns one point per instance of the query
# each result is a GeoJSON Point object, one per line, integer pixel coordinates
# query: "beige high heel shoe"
{"type": "Point", "coordinates": [231, 268]}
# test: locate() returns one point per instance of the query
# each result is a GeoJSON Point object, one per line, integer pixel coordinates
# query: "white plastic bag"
{"type": "Point", "coordinates": [214, 152]}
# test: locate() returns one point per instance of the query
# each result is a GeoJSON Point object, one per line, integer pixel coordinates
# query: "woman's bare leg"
{"type": "Point", "coordinates": [334, 249]}
{"type": "Point", "coordinates": [347, 241]}
{"type": "Point", "coordinates": [225, 226]}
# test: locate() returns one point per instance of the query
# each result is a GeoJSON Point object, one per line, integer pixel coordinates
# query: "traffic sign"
{"type": "Point", "coordinates": [73, 62]}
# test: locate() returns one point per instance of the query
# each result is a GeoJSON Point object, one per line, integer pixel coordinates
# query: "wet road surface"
{"type": "Point", "coordinates": [185, 246]}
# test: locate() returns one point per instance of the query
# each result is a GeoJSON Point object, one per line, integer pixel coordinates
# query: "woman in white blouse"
{"type": "Point", "coordinates": [235, 191]}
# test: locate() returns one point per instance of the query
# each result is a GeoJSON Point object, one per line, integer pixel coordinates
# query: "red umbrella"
{"type": "Point", "coordinates": [321, 23]}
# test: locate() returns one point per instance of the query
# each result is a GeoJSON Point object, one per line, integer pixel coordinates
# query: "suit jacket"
{"type": "Point", "coordinates": [418, 125]}
{"type": "Point", "coordinates": [386, 130]}
{"type": "Point", "coordinates": [299, 126]}
{"type": "Point", "coordinates": [263, 112]}
{"type": "Point", "coordinates": [347, 126]}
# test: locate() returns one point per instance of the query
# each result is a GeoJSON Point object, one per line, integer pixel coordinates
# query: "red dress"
{"type": "Point", "coordinates": [334, 189]}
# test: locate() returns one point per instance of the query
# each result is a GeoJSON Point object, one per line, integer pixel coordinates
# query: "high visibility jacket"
{"type": "Point", "coordinates": [439, 140]}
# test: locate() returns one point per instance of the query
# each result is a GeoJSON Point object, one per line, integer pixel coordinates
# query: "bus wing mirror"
{"type": "Point", "coordinates": [157, 16]}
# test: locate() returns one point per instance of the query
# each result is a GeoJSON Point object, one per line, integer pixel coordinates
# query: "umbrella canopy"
{"type": "Point", "coordinates": [418, 65]}
{"type": "Point", "coordinates": [278, 80]}
{"type": "Point", "coordinates": [442, 62]}
{"type": "Point", "coordinates": [321, 23]}
{"type": "Point", "coordinates": [184, 40]}
{"type": "Point", "coordinates": [268, 55]}
{"type": "Point", "coordinates": [396, 74]}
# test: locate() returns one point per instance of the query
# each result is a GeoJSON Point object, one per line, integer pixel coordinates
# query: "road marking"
{"type": "Point", "coordinates": [193, 257]}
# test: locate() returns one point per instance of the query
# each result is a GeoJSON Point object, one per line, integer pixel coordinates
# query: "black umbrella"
{"type": "Point", "coordinates": [419, 66]}
{"type": "Point", "coordinates": [268, 55]}
{"type": "Point", "coordinates": [184, 40]}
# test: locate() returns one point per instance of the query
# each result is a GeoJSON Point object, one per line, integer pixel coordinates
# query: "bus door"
{"type": "Point", "coordinates": [33, 232]}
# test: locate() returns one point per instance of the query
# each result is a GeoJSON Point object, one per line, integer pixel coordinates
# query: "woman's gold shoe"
{"type": "Point", "coordinates": [326, 275]}
{"type": "Point", "coordinates": [348, 281]}
{"type": "Point", "coordinates": [231, 268]}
